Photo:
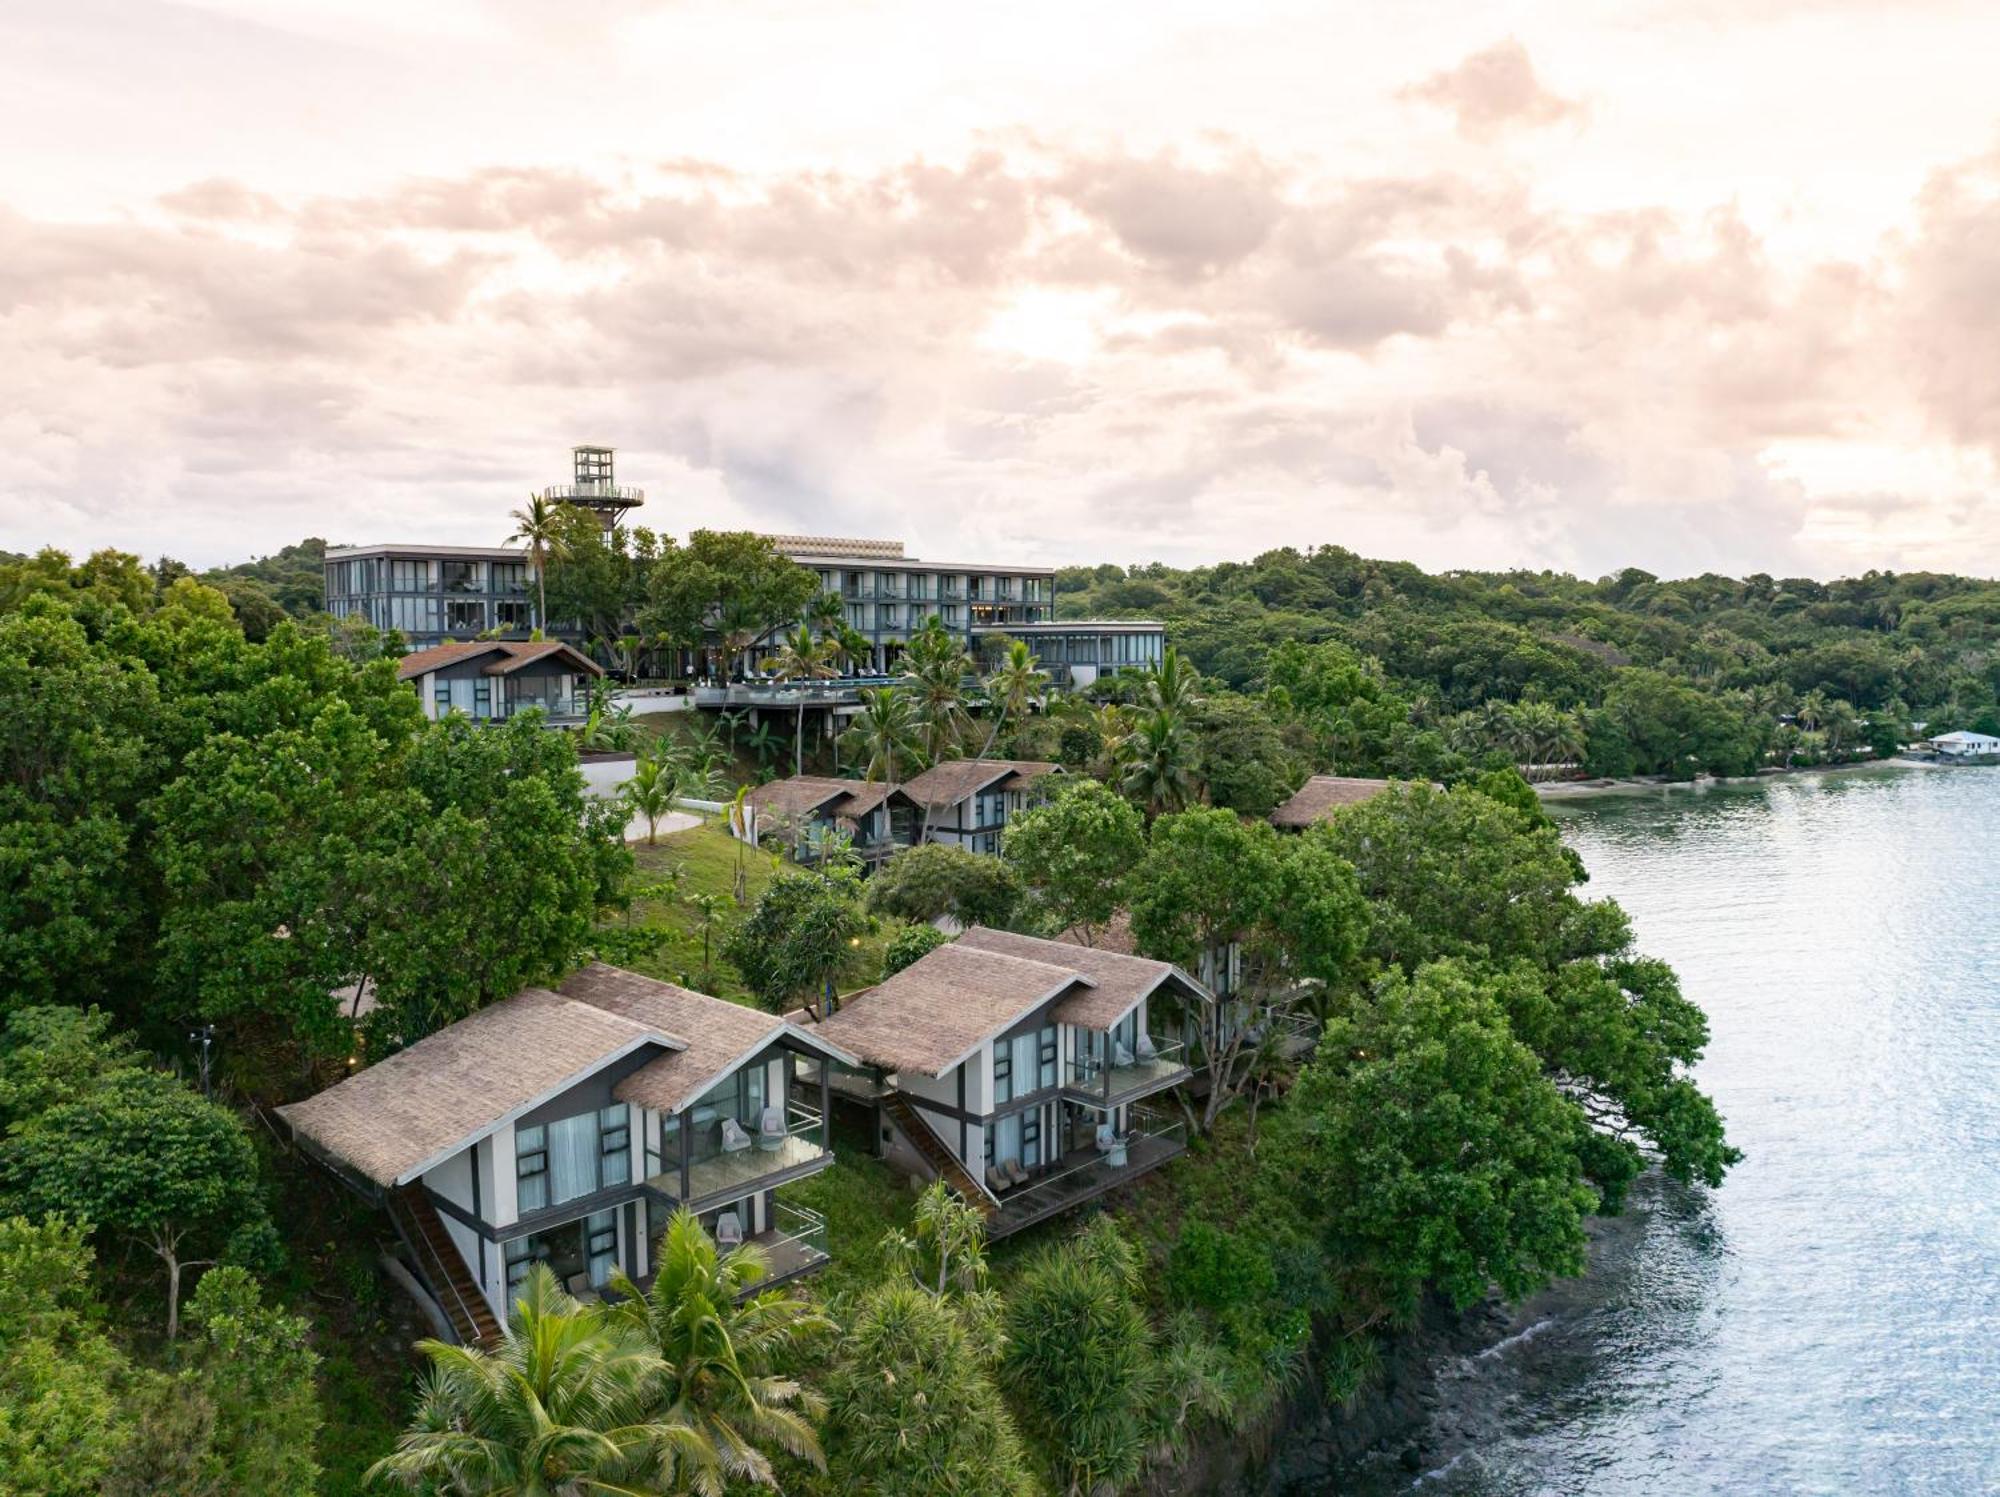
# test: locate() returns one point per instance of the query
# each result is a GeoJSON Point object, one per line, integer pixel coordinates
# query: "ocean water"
{"type": "Point", "coordinates": [1829, 1320]}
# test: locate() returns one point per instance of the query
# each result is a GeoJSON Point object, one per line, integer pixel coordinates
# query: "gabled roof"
{"type": "Point", "coordinates": [1120, 980]}
{"type": "Point", "coordinates": [806, 795]}
{"type": "Point", "coordinates": [501, 656]}
{"type": "Point", "coordinates": [1115, 935]}
{"type": "Point", "coordinates": [940, 1009]}
{"type": "Point", "coordinates": [949, 783]}
{"type": "Point", "coordinates": [716, 1036]}
{"type": "Point", "coordinates": [1322, 795]}
{"type": "Point", "coordinates": [414, 1109]}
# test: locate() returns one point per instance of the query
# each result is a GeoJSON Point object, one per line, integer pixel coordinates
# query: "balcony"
{"type": "Point", "coordinates": [1104, 1083]}
{"type": "Point", "coordinates": [1085, 1173]}
{"type": "Point", "coordinates": [795, 1244]}
{"type": "Point", "coordinates": [800, 1150]}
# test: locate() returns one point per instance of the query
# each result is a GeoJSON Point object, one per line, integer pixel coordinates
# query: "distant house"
{"type": "Point", "coordinates": [563, 1126]}
{"type": "Point", "coordinates": [1962, 745]}
{"type": "Point", "coordinates": [794, 807]}
{"type": "Point", "coordinates": [1321, 796]}
{"type": "Point", "coordinates": [492, 679]}
{"type": "Point", "coordinates": [967, 802]}
{"type": "Point", "coordinates": [1012, 1068]}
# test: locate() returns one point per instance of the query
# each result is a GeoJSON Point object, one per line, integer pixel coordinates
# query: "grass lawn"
{"type": "Point", "coordinates": [704, 860]}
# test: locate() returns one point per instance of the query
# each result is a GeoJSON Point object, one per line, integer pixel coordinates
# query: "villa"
{"type": "Point", "coordinates": [966, 802]}
{"type": "Point", "coordinates": [1013, 1068]}
{"type": "Point", "coordinates": [563, 1126]}
{"type": "Point", "coordinates": [793, 809]}
{"type": "Point", "coordinates": [491, 679]}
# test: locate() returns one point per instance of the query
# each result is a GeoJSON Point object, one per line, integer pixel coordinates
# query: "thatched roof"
{"type": "Point", "coordinates": [414, 1109]}
{"type": "Point", "coordinates": [949, 783]}
{"type": "Point", "coordinates": [940, 1009]}
{"type": "Point", "coordinates": [501, 656]}
{"type": "Point", "coordinates": [1321, 796]}
{"type": "Point", "coordinates": [1120, 980]}
{"type": "Point", "coordinates": [716, 1036]}
{"type": "Point", "coordinates": [805, 795]}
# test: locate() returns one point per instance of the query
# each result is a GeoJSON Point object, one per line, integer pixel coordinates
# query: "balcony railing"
{"type": "Point", "coordinates": [1150, 1140]}
{"type": "Point", "coordinates": [617, 493]}
{"type": "Point", "coordinates": [737, 1171]}
{"type": "Point", "coordinates": [1101, 1076]}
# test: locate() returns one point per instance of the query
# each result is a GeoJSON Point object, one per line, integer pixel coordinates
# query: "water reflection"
{"type": "Point", "coordinates": [1829, 1321]}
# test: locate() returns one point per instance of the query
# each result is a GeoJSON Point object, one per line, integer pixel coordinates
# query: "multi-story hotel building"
{"type": "Point", "coordinates": [434, 594]}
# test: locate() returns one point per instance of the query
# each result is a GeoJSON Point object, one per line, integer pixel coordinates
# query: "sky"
{"type": "Point", "coordinates": [1680, 284]}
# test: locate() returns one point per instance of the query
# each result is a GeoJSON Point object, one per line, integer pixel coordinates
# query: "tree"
{"type": "Point", "coordinates": [61, 1429]}
{"type": "Point", "coordinates": [884, 736]}
{"type": "Point", "coordinates": [1173, 685]}
{"type": "Point", "coordinates": [1160, 765]}
{"type": "Point", "coordinates": [559, 1408]}
{"type": "Point", "coordinates": [799, 659]}
{"type": "Point", "coordinates": [596, 579]}
{"type": "Point", "coordinates": [651, 792]}
{"type": "Point", "coordinates": [143, 1156]}
{"type": "Point", "coordinates": [945, 1250]}
{"type": "Point", "coordinates": [1079, 1358]}
{"type": "Point", "coordinates": [1017, 681]}
{"type": "Point", "coordinates": [1245, 760]}
{"type": "Point", "coordinates": [935, 665]}
{"type": "Point", "coordinates": [722, 1398]}
{"type": "Point", "coordinates": [935, 881]}
{"type": "Point", "coordinates": [1435, 1150]}
{"type": "Point", "coordinates": [255, 1366]}
{"type": "Point", "coordinates": [911, 943]}
{"type": "Point", "coordinates": [535, 527]}
{"type": "Point", "coordinates": [1073, 853]}
{"type": "Point", "coordinates": [729, 581]}
{"type": "Point", "coordinates": [911, 1408]}
{"type": "Point", "coordinates": [799, 938]}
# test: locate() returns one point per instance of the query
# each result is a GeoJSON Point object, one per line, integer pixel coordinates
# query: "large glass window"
{"type": "Point", "coordinates": [409, 576]}
{"type": "Point", "coordinates": [461, 576]}
{"type": "Point", "coordinates": [577, 1253]}
{"type": "Point", "coordinates": [572, 1157]}
{"type": "Point", "coordinates": [465, 615]}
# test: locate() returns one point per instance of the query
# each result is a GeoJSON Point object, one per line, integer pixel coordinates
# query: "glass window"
{"type": "Point", "coordinates": [600, 1246]}
{"type": "Point", "coordinates": [1048, 1054]}
{"type": "Point", "coordinates": [467, 614]}
{"type": "Point", "coordinates": [614, 1146]}
{"type": "Point", "coordinates": [531, 1169]}
{"type": "Point", "coordinates": [461, 576]}
{"type": "Point", "coordinates": [1003, 1072]}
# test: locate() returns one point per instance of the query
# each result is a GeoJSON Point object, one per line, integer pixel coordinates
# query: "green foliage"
{"type": "Point", "coordinates": [1208, 876]}
{"type": "Point", "coordinates": [1436, 1151]}
{"type": "Point", "coordinates": [140, 1155]}
{"type": "Point", "coordinates": [1246, 762]}
{"type": "Point", "coordinates": [1073, 853]}
{"type": "Point", "coordinates": [1079, 1361]}
{"type": "Point", "coordinates": [799, 938]}
{"type": "Point", "coordinates": [937, 879]}
{"type": "Point", "coordinates": [1219, 1270]}
{"type": "Point", "coordinates": [60, 1425]}
{"type": "Point", "coordinates": [721, 1392]}
{"type": "Point", "coordinates": [727, 579]}
{"type": "Point", "coordinates": [909, 944]}
{"type": "Point", "coordinates": [912, 1410]}
{"type": "Point", "coordinates": [254, 1365]}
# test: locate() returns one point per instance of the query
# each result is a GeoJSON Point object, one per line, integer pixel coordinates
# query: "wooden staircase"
{"type": "Point", "coordinates": [442, 1268]}
{"type": "Point", "coordinates": [945, 1164]}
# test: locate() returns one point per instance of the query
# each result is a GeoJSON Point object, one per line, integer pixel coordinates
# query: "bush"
{"type": "Point", "coordinates": [911, 943]}
{"type": "Point", "coordinates": [1218, 1270]}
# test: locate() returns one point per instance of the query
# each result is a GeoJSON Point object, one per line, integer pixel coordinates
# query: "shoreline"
{"type": "Point", "coordinates": [1562, 790]}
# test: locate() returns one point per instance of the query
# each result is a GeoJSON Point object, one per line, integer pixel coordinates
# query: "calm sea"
{"type": "Point", "coordinates": [1829, 1320]}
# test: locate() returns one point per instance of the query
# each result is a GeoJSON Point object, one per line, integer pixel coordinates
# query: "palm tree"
{"type": "Point", "coordinates": [1016, 681]}
{"type": "Point", "coordinates": [1812, 709]}
{"type": "Point", "coordinates": [827, 613]}
{"type": "Point", "coordinates": [1842, 722]}
{"type": "Point", "coordinates": [850, 645]}
{"type": "Point", "coordinates": [935, 666]}
{"type": "Point", "coordinates": [740, 625]}
{"type": "Point", "coordinates": [801, 658]}
{"type": "Point", "coordinates": [731, 719]}
{"type": "Point", "coordinates": [884, 735]}
{"type": "Point", "coordinates": [536, 527]}
{"type": "Point", "coordinates": [654, 787]}
{"type": "Point", "coordinates": [1114, 731]}
{"type": "Point", "coordinates": [1172, 684]}
{"type": "Point", "coordinates": [1160, 769]}
{"type": "Point", "coordinates": [720, 1399]}
{"type": "Point", "coordinates": [829, 847]}
{"type": "Point", "coordinates": [709, 907]}
{"type": "Point", "coordinates": [764, 742]}
{"type": "Point", "coordinates": [560, 1410]}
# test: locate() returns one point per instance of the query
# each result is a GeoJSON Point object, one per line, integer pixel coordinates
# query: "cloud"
{"type": "Point", "coordinates": [1494, 91]}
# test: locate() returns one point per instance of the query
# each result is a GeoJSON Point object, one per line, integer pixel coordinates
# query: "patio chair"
{"type": "Point", "coordinates": [1015, 1174]}
{"type": "Point", "coordinates": [728, 1231]}
{"type": "Point", "coordinates": [997, 1181]}
{"type": "Point", "coordinates": [734, 1139]}
{"type": "Point", "coordinates": [577, 1284]}
{"type": "Point", "coordinates": [771, 1130]}
{"type": "Point", "coordinates": [1148, 1051]}
{"type": "Point", "coordinates": [1111, 1146]}
{"type": "Point", "coordinates": [1120, 1055]}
